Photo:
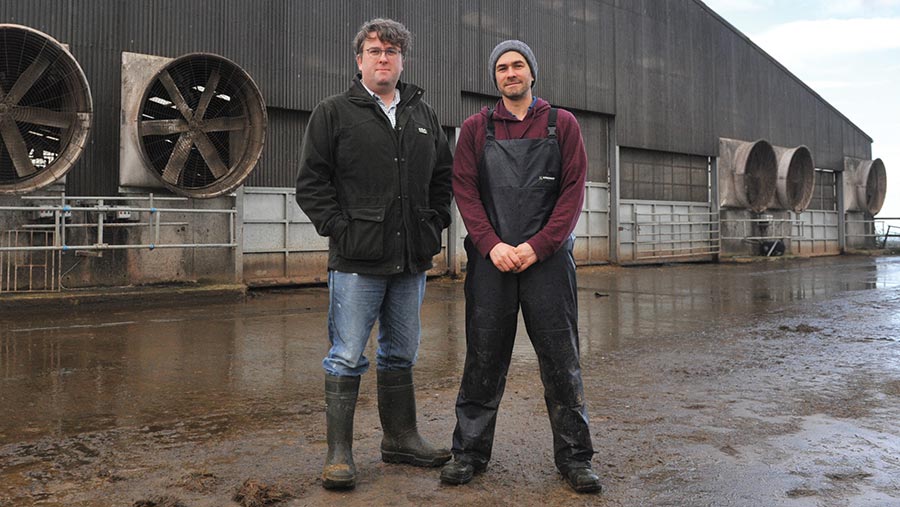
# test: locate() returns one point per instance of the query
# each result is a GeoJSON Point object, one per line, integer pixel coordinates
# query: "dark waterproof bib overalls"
{"type": "Point", "coordinates": [519, 186]}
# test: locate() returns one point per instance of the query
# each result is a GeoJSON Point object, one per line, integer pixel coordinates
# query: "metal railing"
{"type": "Point", "coordinates": [28, 270]}
{"type": "Point", "coordinates": [62, 209]}
{"type": "Point", "coordinates": [677, 235]}
{"type": "Point", "coordinates": [776, 228]}
{"type": "Point", "coordinates": [17, 252]}
{"type": "Point", "coordinates": [884, 232]}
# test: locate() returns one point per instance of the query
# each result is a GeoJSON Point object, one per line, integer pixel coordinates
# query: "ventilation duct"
{"type": "Point", "coordinates": [45, 110]}
{"type": "Point", "coordinates": [748, 173]}
{"type": "Point", "coordinates": [197, 124]}
{"type": "Point", "coordinates": [796, 178]}
{"type": "Point", "coordinates": [865, 185]}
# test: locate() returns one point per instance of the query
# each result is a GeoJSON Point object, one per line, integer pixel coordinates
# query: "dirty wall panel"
{"type": "Point", "coordinates": [472, 55]}
{"type": "Point", "coordinates": [680, 92]}
{"type": "Point", "coordinates": [498, 20]}
{"type": "Point", "coordinates": [280, 161]}
{"type": "Point", "coordinates": [432, 61]}
{"type": "Point", "coordinates": [829, 138]}
{"type": "Point", "coordinates": [702, 70]}
{"type": "Point", "coordinates": [599, 65]}
{"type": "Point", "coordinates": [668, 102]}
{"type": "Point", "coordinates": [793, 133]}
{"type": "Point", "coordinates": [595, 132]}
{"type": "Point", "coordinates": [725, 112]}
{"type": "Point", "coordinates": [856, 143]}
{"type": "Point", "coordinates": [556, 30]}
{"type": "Point", "coordinates": [171, 27]}
{"type": "Point", "coordinates": [53, 17]}
{"type": "Point", "coordinates": [634, 114]}
{"type": "Point", "coordinates": [97, 170]}
{"type": "Point", "coordinates": [747, 90]}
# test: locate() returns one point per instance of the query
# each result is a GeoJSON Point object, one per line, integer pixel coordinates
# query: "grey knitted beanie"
{"type": "Point", "coordinates": [512, 45]}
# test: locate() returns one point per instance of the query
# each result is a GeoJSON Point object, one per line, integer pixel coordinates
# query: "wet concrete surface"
{"type": "Point", "coordinates": [774, 383]}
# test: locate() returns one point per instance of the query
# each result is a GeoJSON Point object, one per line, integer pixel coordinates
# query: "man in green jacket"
{"type": "Point", "coordinates": [374, 178]}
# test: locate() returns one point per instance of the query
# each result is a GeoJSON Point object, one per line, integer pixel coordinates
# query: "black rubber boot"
{"type": "Point", "coordinates": [340, 405]}
{"type": "Point", "coordinates": [460, 472]}
{"type": "Point", "coordinates": [397, 409]}
{"type": "Point", "coordinates": [583, 479]}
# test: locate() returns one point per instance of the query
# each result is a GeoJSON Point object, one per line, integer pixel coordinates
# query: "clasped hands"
{"type": "Point", "coordinates": [510, 259]}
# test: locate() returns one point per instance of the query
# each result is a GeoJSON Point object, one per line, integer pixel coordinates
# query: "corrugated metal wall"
{"type": "Point", "coordinates": [685, 77]}
{"type": "Point", "coordinates": [281, 157]}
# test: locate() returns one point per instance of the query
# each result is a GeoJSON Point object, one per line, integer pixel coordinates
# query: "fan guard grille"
{"type": "Point", "coordinates": [45, 109]}
{"type": "Point", "coordinates": [201, 125]}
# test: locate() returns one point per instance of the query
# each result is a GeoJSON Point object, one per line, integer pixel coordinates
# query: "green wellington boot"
{"type": "Point", "coordinates": [397, 409]}
{"type": "Point", "coordinates": [340, 405]}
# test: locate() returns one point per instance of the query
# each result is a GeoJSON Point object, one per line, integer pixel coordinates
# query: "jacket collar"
{"type": "Point", "coordinates": [409, 93]}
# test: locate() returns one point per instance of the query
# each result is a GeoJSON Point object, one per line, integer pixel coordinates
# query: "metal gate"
{"type": "Point", "coordinates": [280, 244]}
{"type": "Point", "coordinates": [666, 231]}
{"type": "Point", "coordinates": [23, 268]}
{"type": "Point", "coordinates": [816, 232]}
{"type": "Point", "coordinates": [592, 229]}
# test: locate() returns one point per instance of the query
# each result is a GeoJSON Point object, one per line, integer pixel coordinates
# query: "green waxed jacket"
{"type": "Point", "coordinates": [380, 194]}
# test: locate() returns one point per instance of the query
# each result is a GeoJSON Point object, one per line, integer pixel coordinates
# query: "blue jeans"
{"type": "Point", "coordinates": [355, 302]}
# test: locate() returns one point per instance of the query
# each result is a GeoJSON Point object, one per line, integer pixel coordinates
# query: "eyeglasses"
{"type": "Point", "coordinates": [377, 52]}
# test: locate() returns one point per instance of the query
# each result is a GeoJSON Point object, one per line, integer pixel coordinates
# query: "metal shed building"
{"type": "Point", "coordinates": [659, 87]}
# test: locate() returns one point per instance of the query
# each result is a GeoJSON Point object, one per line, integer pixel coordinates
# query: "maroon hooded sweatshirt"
{"type": "Point", "coordinates": [469, 151]}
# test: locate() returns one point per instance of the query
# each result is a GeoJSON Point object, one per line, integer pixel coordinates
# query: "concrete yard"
{"type": "Point", "coordinates": [760, 384]}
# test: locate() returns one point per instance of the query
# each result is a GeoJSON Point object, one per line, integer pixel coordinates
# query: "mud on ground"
{"type": "Point", "coordinates": [707, 385]}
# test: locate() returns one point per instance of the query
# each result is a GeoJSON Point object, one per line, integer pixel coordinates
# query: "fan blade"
{"type": "Point", "coordinates": [163, 127]}
{"type": "Point", "coordinates": [208, 93]}
{"type": "Point", "coordinates": [27, 80]}
{"type": "Point", "coordinates": [175, 95]}
{"type": "Point", "coordinates": [177, 159]}
{"type": "Point", "coordinates": [41, 116]}
{"type": "Point", "coordinates": [15, 144]}
{"type": "Point", "coordinates": [213, 160]}
{"type": "Point", "coordinates": [224, 123]}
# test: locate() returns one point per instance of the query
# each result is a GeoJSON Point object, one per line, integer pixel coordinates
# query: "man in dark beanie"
{"type": "Point", "coordinates": [518, 177]}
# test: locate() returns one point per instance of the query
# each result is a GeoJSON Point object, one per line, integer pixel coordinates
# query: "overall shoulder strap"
{"type": "Point", "coordinates": [489, 126]}
{"type": "Point", "coordinates": [551, 123]}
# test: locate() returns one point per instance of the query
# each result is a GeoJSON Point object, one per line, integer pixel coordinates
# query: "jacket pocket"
{"type": "Point", "coordinates": [429, 228]}
{"type": "Point", "coordinates": [363, 239]}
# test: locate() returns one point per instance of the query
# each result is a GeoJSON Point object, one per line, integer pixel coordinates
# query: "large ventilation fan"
{"type": "Point", "coordinates": [748, 173]}
{"type": "Point", "coordinates": [201, 125]}
{"type": "Point", "coordinates": [45, 109]}
{"type": "Point", "coordinates": [796, 178]}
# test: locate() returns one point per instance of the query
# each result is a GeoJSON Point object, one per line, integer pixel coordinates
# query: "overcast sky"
{"type": "Point", "coordinates": [846, 50]}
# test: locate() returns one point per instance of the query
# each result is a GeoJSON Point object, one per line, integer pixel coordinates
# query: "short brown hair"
{"type": "Point", "coordinates": [387, 30]}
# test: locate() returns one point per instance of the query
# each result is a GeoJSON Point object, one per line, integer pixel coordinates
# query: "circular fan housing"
{"type": "Point", "coordinates": [872, 187]}
{"type": "Point", "coordinates": [756, 172]}
{"type": "Point", "coordinates": [796, 178]}
{"type": "Point", "coordinates": [45, 110]}
{"type": "Point", "coordinates": [202, 125]}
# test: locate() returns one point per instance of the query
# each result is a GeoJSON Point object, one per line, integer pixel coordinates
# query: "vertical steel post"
{"type": "Point", "coordinates": [714, 203]}
{"type": "Point", "coordinates": [454, 244]}
{"type": "Point", "coordinates": [613, 193]}
{"type": "Point", "coordinates": [62, 229]}
{"type": "Point", "coordinates": [237, 235]}
{"type": "Point", "coordinates": [842, 213]}
{"type": "Point", "coordinates": [100, 216]}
